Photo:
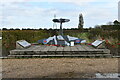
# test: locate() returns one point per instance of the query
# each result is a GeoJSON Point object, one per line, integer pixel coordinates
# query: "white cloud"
{"type": "Point", "coordinates": [93, 15]}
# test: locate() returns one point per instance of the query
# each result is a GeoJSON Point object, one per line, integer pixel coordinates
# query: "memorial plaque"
{"type": "Point", "coordinates": [22, 44]}
{"type": "Point", "coordinates": [97, 43]}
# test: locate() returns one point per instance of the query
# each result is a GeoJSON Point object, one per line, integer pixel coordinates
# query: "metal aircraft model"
{"type": "Point", "coordinates": [61, 40]}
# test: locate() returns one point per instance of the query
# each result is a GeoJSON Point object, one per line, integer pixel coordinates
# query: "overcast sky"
{"type": "Point", "coordinates": [39, 13]}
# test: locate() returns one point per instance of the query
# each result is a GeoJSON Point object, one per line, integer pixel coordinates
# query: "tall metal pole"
{"type": "Point", "coordinates": [61, 30]}
{"type": "Point", "coordinates": [54, 24]}
{"type": "Point", "coordinates": [61, 21]}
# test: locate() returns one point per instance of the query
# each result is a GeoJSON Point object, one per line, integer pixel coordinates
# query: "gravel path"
{"type": "Point", "coordinates": [58, 67]}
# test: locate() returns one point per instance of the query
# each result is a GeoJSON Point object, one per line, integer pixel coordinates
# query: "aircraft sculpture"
{"type": "Point", "coordinates": [61, 40]}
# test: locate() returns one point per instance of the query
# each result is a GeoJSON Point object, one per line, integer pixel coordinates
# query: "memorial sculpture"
{"type": "Point", "coordinates": [63, 43]}
{"type": "Point", "coordinates": [61, 40]}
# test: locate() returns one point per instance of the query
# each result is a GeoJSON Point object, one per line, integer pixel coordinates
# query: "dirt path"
{"type": "Point", "coordinates": [58, 68]}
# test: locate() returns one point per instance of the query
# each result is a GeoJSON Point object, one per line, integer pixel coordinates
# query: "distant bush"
{"type": "Point", "coordinates": [110, 27]}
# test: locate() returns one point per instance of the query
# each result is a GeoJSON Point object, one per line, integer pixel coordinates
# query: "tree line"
{"type": "Point", "coordinates": [110, 26]}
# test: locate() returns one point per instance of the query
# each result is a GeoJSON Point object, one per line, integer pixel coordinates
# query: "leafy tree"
{"type": "Point", "coordinates": [11, 29]}
{"type": "Point", "coordinates": [45, 28]}
{"type": "Point", "coordinates": [17, 29]}
{"type": "Point", "coordinates": [4, 29]}
{"type": "Point", "coordinates": [116, 22]}
{"type": "Point", "coordinates": [81, 21]}
{"type": "Point", "coordinates": [40, 28]}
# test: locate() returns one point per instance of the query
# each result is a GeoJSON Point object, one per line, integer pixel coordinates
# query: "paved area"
{"type": "Point", "coordinates": [77, 50]}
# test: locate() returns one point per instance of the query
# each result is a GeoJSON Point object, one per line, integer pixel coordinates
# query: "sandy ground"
{"type": "Point", "coordinates": [58, 68]}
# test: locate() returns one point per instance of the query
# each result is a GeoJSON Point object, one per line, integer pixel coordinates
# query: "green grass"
{"type": "Point", "coordinates": [81, 36]}
{"type": "Point", "coordinates": [84, 36]}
